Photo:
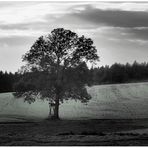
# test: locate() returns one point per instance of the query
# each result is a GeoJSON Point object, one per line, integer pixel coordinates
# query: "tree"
{"type": "Point", "coordinates": [52, 68]}
{"type": "Point", "coordinates": [6, 81]}
{"type": "Point", "coordinates": [118, 73]}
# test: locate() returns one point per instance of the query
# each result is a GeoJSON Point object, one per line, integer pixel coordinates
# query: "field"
{"type": "Point", "coordinates": [116, 115]}
{"type": "Point", "coordinates": [121, 101]}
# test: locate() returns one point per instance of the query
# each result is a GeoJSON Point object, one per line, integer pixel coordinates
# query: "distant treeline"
{"type": "Point", "coordinates": [117, 73]}
{"type": "Point", "coordinates": [7, 80]}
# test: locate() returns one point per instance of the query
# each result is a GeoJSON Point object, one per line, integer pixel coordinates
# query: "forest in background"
{"type": "Point", "coordinates": [117, 73]}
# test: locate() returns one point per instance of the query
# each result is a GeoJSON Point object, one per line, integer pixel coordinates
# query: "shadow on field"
{"type": "Point", "coordinates": [74, 132]}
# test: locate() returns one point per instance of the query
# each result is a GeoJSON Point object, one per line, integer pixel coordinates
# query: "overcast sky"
{"type": "Point", "coordinates": [119, 29]}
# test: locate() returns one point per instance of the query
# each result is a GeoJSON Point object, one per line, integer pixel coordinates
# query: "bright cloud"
{"type": "Point", "coordinates": [125, 6]}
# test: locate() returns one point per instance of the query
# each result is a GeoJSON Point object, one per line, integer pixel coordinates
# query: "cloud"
{"type": "Point", "coordinates": [116, 25]}
{"type": "Point", "coordinates": [140, 33]}
{"type": "Point", "coordinates": [34, 18]}
{"type": "Point", "coordinates": [22, 12]}
{"type": "Point", "coordinates": [16, 32]}
{"type": "Point", "coordinates": [124, 6]}
{"type": "Point", "coordinates": [116, 18]}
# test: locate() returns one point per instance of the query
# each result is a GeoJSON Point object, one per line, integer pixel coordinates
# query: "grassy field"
{"type": "Point", "coordinates": [116, 115]}
{"type": "Point", "coordinates": [121, 101]}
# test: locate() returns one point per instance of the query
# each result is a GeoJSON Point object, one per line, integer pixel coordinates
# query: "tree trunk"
{"type": "Point", "coordinates": [56, 109]}
{"type": "Point", "coordinates": [58, 90]}
{"type": "Point", "coordinates": [50, 110]}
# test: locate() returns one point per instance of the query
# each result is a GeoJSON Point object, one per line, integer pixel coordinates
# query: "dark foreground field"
{"type": "Point", "coordinates": [75, 132]}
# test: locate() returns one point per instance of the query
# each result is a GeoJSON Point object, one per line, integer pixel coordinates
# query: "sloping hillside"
{"type": "Point", "coordinates": [108, 102]}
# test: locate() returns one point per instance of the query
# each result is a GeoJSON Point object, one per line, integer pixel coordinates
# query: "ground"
{"type": "Point", "coordinates": [75, 132]}
{"type": "Point", "coordinates": [116, 115]}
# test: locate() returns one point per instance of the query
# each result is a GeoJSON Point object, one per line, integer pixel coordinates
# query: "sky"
{"type": "Point", "coordinates": [119, 29]}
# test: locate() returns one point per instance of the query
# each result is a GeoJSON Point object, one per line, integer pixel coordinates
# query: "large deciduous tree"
{"type": "Point", "coordinates": [56, 68]}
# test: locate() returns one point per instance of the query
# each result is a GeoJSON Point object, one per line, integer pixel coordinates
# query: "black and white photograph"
{"type": "Point", "coordinates": [74, 73]}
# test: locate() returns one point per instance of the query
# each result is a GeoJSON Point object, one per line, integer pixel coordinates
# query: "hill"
{"type": "Point", "coordinates": [117, 101]}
